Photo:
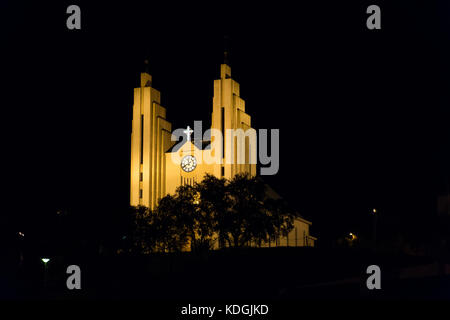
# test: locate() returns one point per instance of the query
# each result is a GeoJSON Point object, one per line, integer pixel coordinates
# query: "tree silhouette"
{"type": "Point", "coordinates": [235, 212]}
{"type": "Point", "coordinates": [171, 226]}
{"type": "Point", "coordinates": [188, 211]}
{"type": "Point", "coordinates": [141, 232]}
{"type": "Point", "coordinates": [245, 219]}
{"type": "Point", "coordinates": [213, 203]}
{"type": "Point", "coordinates": [281, 218]}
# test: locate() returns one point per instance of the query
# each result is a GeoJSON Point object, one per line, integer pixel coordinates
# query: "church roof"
{"type": "Point", "coordinates": [199, 144]}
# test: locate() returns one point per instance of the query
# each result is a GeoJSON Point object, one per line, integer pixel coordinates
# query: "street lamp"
{"type": "Point", "coordinates": [45, 261]}
{"type": "Point", "coordinates": [351, 238]}
{"type": "Point", "coordinates": [374, 231]}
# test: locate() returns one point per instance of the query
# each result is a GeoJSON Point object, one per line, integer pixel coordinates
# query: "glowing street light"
{"type": "Point", "coordinates": [351, 239]}
{"type": "Point", "coordinates": [45, 261]}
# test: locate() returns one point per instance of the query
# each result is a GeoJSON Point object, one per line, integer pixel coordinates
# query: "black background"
{"type": "Point", "coordinates": [363, 114]}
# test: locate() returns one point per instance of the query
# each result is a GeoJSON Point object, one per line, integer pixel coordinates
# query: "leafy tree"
{"type": "Point", "coordinates": [170, 229]}
{"type": "Point", "coordinates": [137, 239]}
{"type": "Point", "coordinates": [245, 219]}
{"type": "Point", "coordinates": [213, 202]}
{"type": "Point", "coordinates": [235, 212]}
{"type": "Point", "coordinates": [251, 215]}
{"type": "Point", "coordinates": [197, 212]}
{"type": "Point", "coordinates": [159, 230]}
{"type": "Point", "coordinates": [281, 218]}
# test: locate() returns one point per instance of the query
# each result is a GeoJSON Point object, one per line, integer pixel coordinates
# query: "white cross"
{"type": "Point", "coordinates": [188, 132]}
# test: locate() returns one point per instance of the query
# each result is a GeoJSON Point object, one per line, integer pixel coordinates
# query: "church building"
{"type": "Point", "coordinates": [159, 165]}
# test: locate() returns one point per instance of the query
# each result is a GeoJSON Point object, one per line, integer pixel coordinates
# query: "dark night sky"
{"type": "Point", "coordinates": [363, 115]}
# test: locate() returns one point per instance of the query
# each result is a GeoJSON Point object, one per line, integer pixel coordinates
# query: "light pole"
{"type": "Point", "coordinates": [374, 230]}
{"type": "Point", "coordinates": [45, 261]}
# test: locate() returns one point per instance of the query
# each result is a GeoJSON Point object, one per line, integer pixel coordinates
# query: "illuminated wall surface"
{"type": "Point", "coordinates": [150, 138]}
{"type": "Point", "coordinates": [156, 171]}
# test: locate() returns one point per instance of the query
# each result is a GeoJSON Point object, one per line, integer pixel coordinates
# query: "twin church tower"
{"type": "Point", "coordinates": [156, 171]}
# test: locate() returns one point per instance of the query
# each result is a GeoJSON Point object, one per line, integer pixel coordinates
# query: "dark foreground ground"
{"type": "Point", "coordinates": [258, 274]}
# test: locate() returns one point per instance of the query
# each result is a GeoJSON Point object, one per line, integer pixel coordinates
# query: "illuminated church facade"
{"type": "Point", "coordinates": [159, 165]}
